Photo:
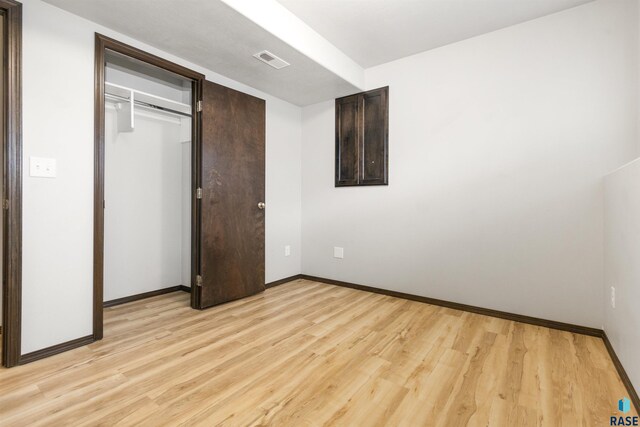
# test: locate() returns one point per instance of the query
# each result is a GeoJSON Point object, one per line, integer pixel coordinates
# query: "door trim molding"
{"type": "Point", "coordinates": [624, 377]}
{"type": "Point", "coordinates": [102, 44]}
{"type": "Point", "coordinates": [56, 349]}
{"type": "Point", "coordinates": [141, 296]}
{"type": "Point", "coordinates": [282, 281]}
{"type": "Point", "coordinates": [552, 324]}
{"type": "Point", "coordinates": [12, 224]}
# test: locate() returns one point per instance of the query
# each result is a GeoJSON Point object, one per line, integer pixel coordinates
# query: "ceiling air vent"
{"type": "Point", "coordinates": [270, 59]}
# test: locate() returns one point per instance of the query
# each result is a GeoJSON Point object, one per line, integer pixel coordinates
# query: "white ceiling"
{"type": "Point", "coordinates": [327, 42]}
{"type": "Point", "coordinates": [373, 32]}
{"type": "Point", "coordinates": [213, 35]}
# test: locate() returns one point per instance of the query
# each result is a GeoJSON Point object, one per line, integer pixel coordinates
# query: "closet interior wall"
{"type": "Point", "coordinates": [147, 184]}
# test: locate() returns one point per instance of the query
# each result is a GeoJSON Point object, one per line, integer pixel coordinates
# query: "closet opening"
{"type": "Point", "coordinates": [147, 150]}
{"type": "Point", "coordinates": [147, 212]}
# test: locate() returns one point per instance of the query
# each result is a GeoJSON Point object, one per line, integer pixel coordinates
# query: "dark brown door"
{"type": "Point", "coordinates": [232, 219]}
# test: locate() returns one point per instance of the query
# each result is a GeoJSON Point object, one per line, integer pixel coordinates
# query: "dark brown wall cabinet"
{"type": "Point", "coordinates": [362, 138]}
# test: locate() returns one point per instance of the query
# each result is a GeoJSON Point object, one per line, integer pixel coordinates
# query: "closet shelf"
{"type": "Point", "coordinates": [147, 98]}
{"type": "Point", "coordinates": [130, 98]}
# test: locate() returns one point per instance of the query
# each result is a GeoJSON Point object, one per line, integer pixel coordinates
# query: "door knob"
{"type": "Point", "coordinates": [261, 205]}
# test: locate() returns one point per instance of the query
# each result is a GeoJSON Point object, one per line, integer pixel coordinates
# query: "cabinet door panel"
{"type": "Point", "coordinates": [347, 158]}
{"type": "Point", "coordinates": [374, 157]}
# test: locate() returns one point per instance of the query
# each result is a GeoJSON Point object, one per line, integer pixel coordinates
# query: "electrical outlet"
{"type": "Point", "coordinates": [42, 167]}
{"type": "Point", "coordinates": [287, 250]}
{"type": "Point", "coordinates": [613, 297]}
{"type": "Point", "coordinates": [338, 252]}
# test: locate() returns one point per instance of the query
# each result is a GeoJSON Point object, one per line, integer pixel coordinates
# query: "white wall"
{"type": "Point", "coordinates": [58, 56]}
{"type": "Point", "coordinates": [498, 145]}
{"type": "Point", "coordinates": [147, 215]}
{"type": "Point", "coordinates": [497, 149]}
{"type": "Point", "coordinates": [622, 265]}
{"type": "Point", "coordinates": [283, 191]}
{"type": "Point", "coordinates": [185, 138]}
{"type": "Point", "coordinates": [144, 204]}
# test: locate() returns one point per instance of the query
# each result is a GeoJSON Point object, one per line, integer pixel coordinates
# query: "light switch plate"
{"type": "Point", "coordinates": [42, 167]}
{"type": "Point", "coordinates": [287, 250]}
{"type": "Point", "coordinates": [338, 252]}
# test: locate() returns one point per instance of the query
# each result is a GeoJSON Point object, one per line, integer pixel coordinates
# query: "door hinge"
{"type": "Point", "coordinates": [198, 280]}
{"type": "Point", "coordinates": [198, 106]}
{"type": "Point", "coordinates": [198, 193]}
{"type": "Point", "coordinates": [5, 204]}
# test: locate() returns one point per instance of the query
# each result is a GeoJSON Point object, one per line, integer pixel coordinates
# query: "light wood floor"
{"type": "Point", "coordinates": [307, 353]}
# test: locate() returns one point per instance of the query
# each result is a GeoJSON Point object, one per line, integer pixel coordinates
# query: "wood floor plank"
{"type": "Point", "coordinates": [309, 354]}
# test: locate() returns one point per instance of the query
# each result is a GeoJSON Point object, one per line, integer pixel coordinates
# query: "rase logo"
{"type": "Point", "coordinates": [624, 406]}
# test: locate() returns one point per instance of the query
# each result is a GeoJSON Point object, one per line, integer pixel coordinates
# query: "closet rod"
{"type": "Point", "coordinates": [146, 104]}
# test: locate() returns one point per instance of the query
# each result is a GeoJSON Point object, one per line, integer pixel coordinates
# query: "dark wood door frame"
{"type": "Point", "coordinates": [103, 44]}
{"type": "Point", "coordinates": [12, 200]}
